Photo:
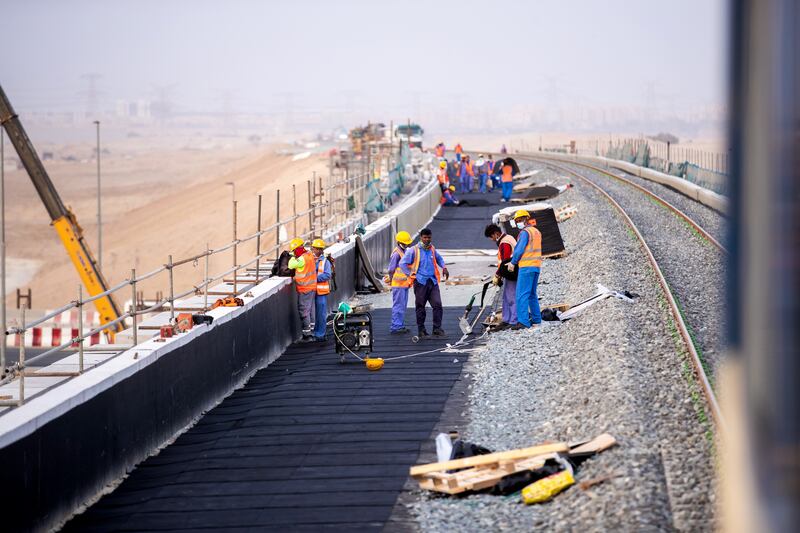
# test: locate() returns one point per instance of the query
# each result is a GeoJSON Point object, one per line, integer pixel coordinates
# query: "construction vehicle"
{"type": "Point", "coordinates": [365, 135]}
{"type": "Point", "coordinates": [63, 219]}
{"type": "Point", "coordinates": [410, 133]}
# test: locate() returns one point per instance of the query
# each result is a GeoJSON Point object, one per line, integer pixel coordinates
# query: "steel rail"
{"type": "Point", "coordinates": [700, 372]}
{"type": "Point", "coordinates": [686, 218]}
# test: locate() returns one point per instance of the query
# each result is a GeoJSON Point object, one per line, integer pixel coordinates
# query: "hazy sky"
{"type": "Point", "coordinates": [374, 53]}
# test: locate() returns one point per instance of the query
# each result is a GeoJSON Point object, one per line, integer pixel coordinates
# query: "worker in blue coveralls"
{"type": "Point", "coordinates": [400, 283]}
{"type": "Point", "coordinates": [324, 273]}
{"type": "Point", "coordinates": [480, 164]}
{"type": "Point", "coordinates": [492, 171]}
{"type": "Point", "coordinates": [528, 258]}
{"type": "Point", "coordinates": [425, 266]}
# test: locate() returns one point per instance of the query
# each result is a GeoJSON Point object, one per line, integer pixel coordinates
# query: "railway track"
{"type": "Point", "coordinates": [688, 320]}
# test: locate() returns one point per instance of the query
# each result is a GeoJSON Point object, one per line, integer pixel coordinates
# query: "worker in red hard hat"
{"type": "Point", "coordinates": [305, 282]}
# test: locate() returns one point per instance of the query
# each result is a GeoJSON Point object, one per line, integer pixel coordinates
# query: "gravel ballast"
{"type": "Point", "coordinates": [619, 368]}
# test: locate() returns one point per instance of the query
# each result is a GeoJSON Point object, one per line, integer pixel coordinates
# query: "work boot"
{"type": "Point", "coordinates": [501, 326]}
{"type": "Point", "coordinates": [439, 332]}
{"type": "Point", "coordinates": [423, 333]}
{"type": "Point", "coordinates": [398, 331]}
{"type": "Point", "coordinates": [519, 325]}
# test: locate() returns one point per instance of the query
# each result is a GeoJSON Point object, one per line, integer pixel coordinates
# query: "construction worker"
{"type": "Point", "coordinates": [466, 173]}
{"type": "Point", "coordinates": [503, 149]}
{"type": "Point", "coordinates": [324, 273]}
{"type": "Point", "coordinates": [505, 250]}
{"type": "Point", "coordinates": [448, 195]}
{"type": "Point", "coordinates": [528, 258]}
{"type": "Point", "coordinates": [490, 171]}
{"type": "Point", "coordinates": [459, 150]}
{"type": "Point", "coordinates": [423, 264]}
{"type": "Point", "coordinates": [480, 165]}
{"type": "Point", "coordinates": [305, 282]}
{"type": "Point", "coordinates": [400, 282]}
{"type": "Point", "coordinates": [442, 176]}
{"type": "Point", "coordinates": [453, 170]}
{"type": "Point", "coordinates": [440, 149]}
{"type": "Point", "coordinates": [506, 181]}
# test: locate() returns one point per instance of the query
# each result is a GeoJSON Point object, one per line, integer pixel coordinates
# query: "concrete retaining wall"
{"type": "Point", "coordinates": [702, 195]}
{"type": "Point", "coordinates": [65, 446]}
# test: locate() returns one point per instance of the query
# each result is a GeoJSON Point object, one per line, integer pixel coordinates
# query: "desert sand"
{"type": "Point", "coordinates": [158, 199]}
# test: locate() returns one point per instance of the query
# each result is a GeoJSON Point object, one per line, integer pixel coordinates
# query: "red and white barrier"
{"type": "Point", "coordinates": [59, 330]}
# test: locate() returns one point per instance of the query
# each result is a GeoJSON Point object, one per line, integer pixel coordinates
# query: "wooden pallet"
{"type": "Point", "coordinates": [484, 471]}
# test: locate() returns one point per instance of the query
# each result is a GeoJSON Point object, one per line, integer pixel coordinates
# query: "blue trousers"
{"type": "Point", "coordinates": [482, 182]}
{"type": "Point", "coordinates": [458, 157]}
{"type": "Point", "coordinates": [399, 303]}
{"type": "Point", "coordinates": [508, 188]}
{"type": "Point", "coordinates": [527, 299]}
{"type": "Point", "coordinates": [466, 183]}
{"type": "Point", "coordinates": [509, 301]}
{"type": "Point", "coordinates": [495, 181]}
{"type": "Point", "coordinates": [320, 316]}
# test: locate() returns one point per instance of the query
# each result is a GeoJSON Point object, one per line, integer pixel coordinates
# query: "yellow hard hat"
{"type": "Point", "coordinates": [521, 213]}
{"type": "Point", "coordinates": [318, 243]}
{"type": "Point", "coordinates": [295, 243]}
{"type": "Point", "coordinates": [452, 187]}
{"type": "Point", "coordinates": [374, 363]}
{"type": "Point", "coordinates": [442, 164]}
{"type": "Point", "coordinates": [403, 237]}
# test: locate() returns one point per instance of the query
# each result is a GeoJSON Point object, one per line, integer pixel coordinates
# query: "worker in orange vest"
{"type": "Point", "coordinates": [440, 149]}
{"type": "Point", "coordinates": [467, 174]}
{"type": "Point", "coordinates": [423, 264]}
{"type": "Point", "coordinates": [442, 176]}
{"type": "Point", "coordinates": [324, 274]}
{"type": "Point", "coordinates": [459, 150]}
{"type": "Point", "coordinates": [305, 282]}
{"type": "Point", "coordinates": [400, 283]}
{"type": "Point", "coordinates": [527, 259]}
{"type": "Point", "coordinates": [506, 181]}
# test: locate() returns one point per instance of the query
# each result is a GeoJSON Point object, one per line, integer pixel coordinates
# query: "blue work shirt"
{"type": "Point", "coordinates": [326, 270]}
{"type": "Point", "coordinates": [394, 262]}
{"type": "Point", "coordinates": [425, 270]}
{"type": "Point", "coordinates": [519, 249]}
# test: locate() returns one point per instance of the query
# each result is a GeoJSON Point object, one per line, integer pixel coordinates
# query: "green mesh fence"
{"type": "Point", "coordinates": [641, 155]}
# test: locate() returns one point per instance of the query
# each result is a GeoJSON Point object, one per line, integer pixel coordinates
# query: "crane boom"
{"type": "Point", "coordinates": [63, 220]}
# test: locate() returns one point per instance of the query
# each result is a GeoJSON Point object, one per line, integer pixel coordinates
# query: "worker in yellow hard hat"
{"type": "Point", "coordinates": [442, 176]}
{"type": "Point", "coordinates": [305, 282]}
{"type": "Point", "coordinates": [527, 258]}
{"type": "Point", "coordinates": [399, 282]}
{"type": "Point", "coordinates": [324, 269]}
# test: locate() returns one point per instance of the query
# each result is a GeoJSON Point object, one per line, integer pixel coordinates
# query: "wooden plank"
{"type": "Point", "coordinates": [597, 444]}
{"type": "Point", "coordinates": [489, 458]}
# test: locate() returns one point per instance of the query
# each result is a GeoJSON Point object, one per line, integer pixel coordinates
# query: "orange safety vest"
{"type": "Point", "coordinates": [507, 177]}
{"type": "Point", "coordinates": [399, 278]}
{"type": "Point", "coordinates": [415, 265]}
{"type": "Point", "coordinates": [305, 280]}
{"type": "Point", "coordinates": [505, 239]}
{"type": "Point", "coordinates": [468, 167]}
{"type": "Point", "coordinates": [459, 150]}
{"type": "Point", "coordinates": [323, 287]}
{"type": "Point", "coordinates": [442, 176]}
{"type": "Point", "coordinates": [532, 255]}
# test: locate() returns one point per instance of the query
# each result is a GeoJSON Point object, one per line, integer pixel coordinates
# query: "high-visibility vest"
{"type": "Point", "coordinates": [305, 280]}
{"type": "Point", "coordinates": [442, 176]}
{"type": "Point", "coordinates": [489, 166]}
{"type": "Point", "coordinates": [507, 177]}
{"type": "Point", "coordinates": [415, 266]}
{"type": "Point", "coordinates": [323, 287]}
{"type": "Point", "coordinates": [399, 278]}
{"type": "Point", "coordinates": [532, 255]}
{"type": "Point", "coordinates": [505, 239]}
{"type": "Point", "coordinates": [468, 168]}
{"type": "Point", "coordinates": [459, 150]}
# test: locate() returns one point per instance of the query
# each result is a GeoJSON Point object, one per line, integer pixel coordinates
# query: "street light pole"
{"type": "Point", "coordinates": [99, 206]}
{"type": "Point", "coordinates": [233, 190]}
{"type": "Point", "coordinates": [2, 250]}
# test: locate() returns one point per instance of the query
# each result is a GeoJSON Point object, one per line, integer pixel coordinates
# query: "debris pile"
{"type": "Point", "coordinates": [540, 472]}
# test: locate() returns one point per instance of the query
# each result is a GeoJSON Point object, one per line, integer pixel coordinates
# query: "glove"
{"type": "Point", "coordinates": [496, 281]}
{"type": "Point", "coordinates": [446, 274]}
{"type": "Point", "coordinates": [386, 279]}
{"type": "Point", "coordinates": [511, 267]}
